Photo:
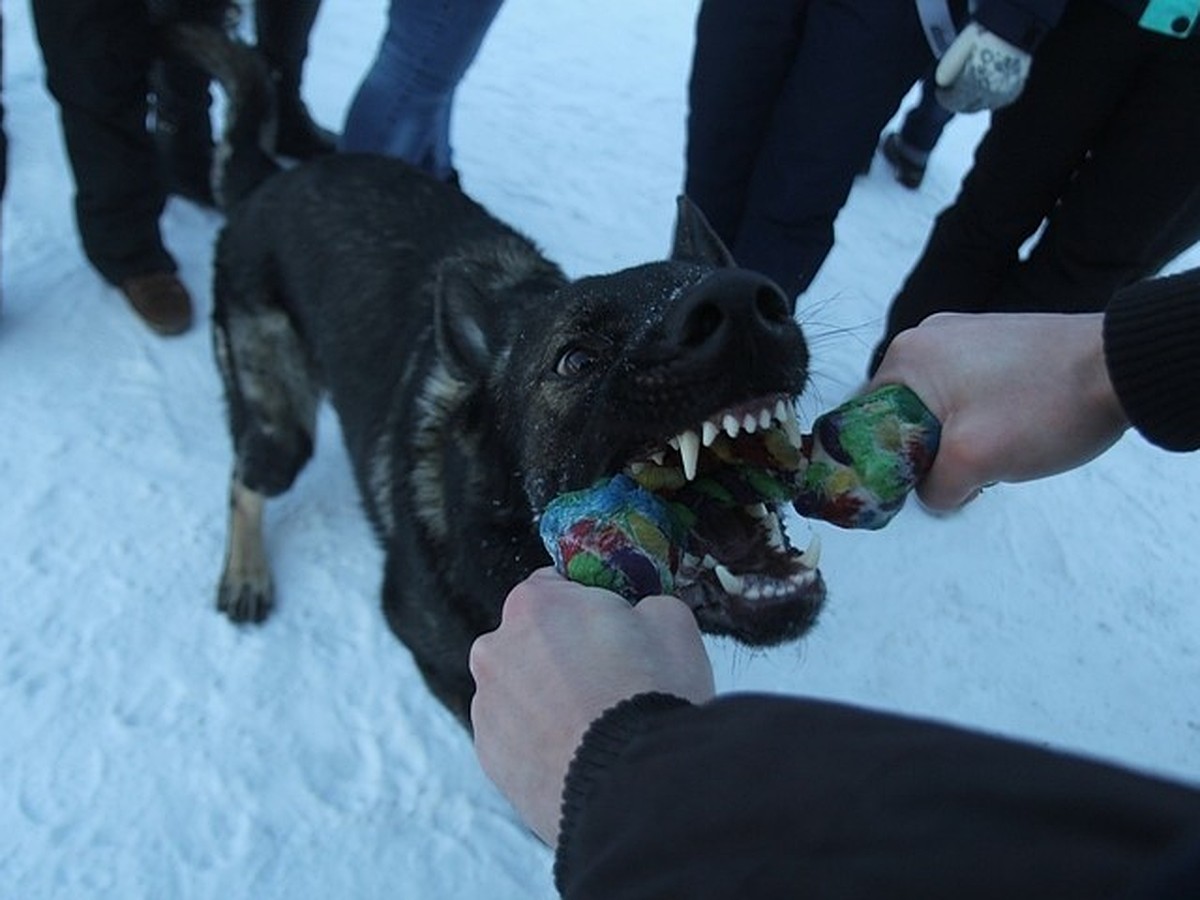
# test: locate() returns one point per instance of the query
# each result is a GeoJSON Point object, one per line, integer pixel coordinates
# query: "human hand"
{"type": "Point", "coordinates": [563, 654]}
{"type": "Point", "coordinates": [1019, 396]}
{"type": "Point", "coordinates": [980, 70]}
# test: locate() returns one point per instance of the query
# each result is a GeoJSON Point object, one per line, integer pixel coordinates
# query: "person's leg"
{"type": "Point", "coordinates": [180, 104]}
{"type": "Point", "coordinates": [926, 121]}
{"type": "Point", "coordinates": [742, 56]}
{"type": "Point", "coordinates": [1128, 205]}
{"type": "Point", "coordinates": [402, 107]}
{"type": "Point", "coordinates": [1021, 168]}
{"type": "Point", "coordinates": [857, 60]}
{"type": "Point", "coordinates": [97, 55]}
{"type": "Point", "coordinates": [282, 28]}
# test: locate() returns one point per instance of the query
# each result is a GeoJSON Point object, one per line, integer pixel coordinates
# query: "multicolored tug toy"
{"type": "Point", "coordinates": [854, 470]}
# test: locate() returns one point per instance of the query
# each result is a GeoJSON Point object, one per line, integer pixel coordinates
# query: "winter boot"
{"type": "Point", "coordinates": [283, 27]}
{"type": "Point", "coordinates": [907, 162]}
{"type": "Point", "coordinates": [183, 130]}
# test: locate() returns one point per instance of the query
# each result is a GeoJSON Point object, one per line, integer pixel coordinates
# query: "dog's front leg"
{"type": "Point", "coordinates": [246, 591]}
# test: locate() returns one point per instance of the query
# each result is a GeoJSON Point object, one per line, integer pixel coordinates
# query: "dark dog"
{"type": "Point", "coordinates": [474, 382]}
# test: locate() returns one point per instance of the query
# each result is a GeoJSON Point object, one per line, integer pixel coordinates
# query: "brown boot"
{"type": "Point", "coordinates": [161, 300]}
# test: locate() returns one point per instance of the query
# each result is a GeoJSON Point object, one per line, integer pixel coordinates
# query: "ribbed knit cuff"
{"type": "Point", "coordinates": [603, 743]}
{"type": "Point", "coordinates": [1152, 349]}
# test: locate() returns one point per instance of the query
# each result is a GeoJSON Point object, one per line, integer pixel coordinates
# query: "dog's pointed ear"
{"type": "Point", "coordinates": [695, 241]}
{"type": "Point", "coordinates": [464, 341]}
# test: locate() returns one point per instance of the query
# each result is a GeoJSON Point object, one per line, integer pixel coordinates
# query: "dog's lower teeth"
{"type": "Point", "coordinates": [731, 425]}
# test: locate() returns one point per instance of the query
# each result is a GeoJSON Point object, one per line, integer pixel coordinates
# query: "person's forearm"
{"type": "Point", "coordinates": [767, 796]}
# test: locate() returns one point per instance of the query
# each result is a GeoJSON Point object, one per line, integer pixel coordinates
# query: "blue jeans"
{"type": "Point", "coordinates": [402, 107]}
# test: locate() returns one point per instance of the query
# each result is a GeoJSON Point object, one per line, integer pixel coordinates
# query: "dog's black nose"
{"type": "Point", "coordinates": [728, 302]}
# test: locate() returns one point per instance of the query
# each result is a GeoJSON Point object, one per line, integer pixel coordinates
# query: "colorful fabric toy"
{"type": "Point", "coordinates": [615, 535]}
{"type": "Point", "coordinates": [865, 456]}
{"type": "Point", "coordinates": [854, 470]}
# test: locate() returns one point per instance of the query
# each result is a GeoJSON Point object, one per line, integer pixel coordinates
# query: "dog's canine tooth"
{"type": "Point", "coordinates": [732, 584]}
{"type": "Point", "coordinates": [791, 427]}
{"type": "Point", "coordinates": [711, 430]}
{"type": "Point", "coordinates": [731, 425]}
{"type": "Point", "coordinates": [811, 557]}
{"type": "Point", "coordinates": [689, 450]}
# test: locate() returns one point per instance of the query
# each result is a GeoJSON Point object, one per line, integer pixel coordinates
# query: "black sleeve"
{"type": "Point", "coordinates": [1152, 348]}
{"type": "Point", "coordinates": [1023, 23]}
{"type": "Point", "coordinates": [763, 797]}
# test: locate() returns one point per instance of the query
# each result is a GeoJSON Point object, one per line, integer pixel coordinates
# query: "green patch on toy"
{"type": "Point", "coordinates": [705, 517]}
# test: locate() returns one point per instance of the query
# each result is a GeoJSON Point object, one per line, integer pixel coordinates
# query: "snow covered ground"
{"type": "Point", "coordinates": [149, 749]}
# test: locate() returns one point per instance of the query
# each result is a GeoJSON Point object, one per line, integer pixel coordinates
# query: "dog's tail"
{"type": "Point", "coordinates": [243, 159]}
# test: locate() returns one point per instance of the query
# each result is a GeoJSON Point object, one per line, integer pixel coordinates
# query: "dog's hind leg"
{"type": "Point", "coordinates": [272, 396]}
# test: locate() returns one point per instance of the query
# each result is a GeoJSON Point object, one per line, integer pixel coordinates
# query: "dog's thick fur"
{"type": "Point", "coordinates": [474, 382]}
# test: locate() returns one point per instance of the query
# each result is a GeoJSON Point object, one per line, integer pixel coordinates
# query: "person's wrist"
{"type": "Point", "coordinates": [1096, 386]}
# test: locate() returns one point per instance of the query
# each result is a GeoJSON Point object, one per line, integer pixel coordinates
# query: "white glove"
{"type": "Point", "coordinates": [980, 71]}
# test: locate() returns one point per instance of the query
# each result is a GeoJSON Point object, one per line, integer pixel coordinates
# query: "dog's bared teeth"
{"type": "Point", "coordinates": [775, 538]}
{"type": "Point", "coordinates": [673, 443]}
{"type": "Point", "coordinates": [781, 411]}
{"type": "Point", "coordinates": [732, 584]}
{"type": "Point", "coordinates": [811, 557]}
{"type": "Point", "coordinates": [764, 419]}
{"type": "Point", "coordinates": [711, 430]}
{"type": "Point", "coordinates": [758, 511]}
{"type": "Point", "coordinates": [791, 426]}
{"type": "Point", "coordinates": [731, 425]}
{"type": "Point", "coordinates": [750, 423]}
{"type": "Point", "coordinates": [689, 450]}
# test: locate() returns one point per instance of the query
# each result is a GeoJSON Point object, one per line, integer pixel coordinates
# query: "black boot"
{"type": "Point", "coordinates": [283, 27]}
{"type": "Point", "coordinates": [183, 130]}
{"type": "Point", "coordinates": [907, 162]}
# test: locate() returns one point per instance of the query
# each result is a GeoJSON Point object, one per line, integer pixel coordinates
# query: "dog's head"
{"type": "Point", "coordinates": [676, 367]}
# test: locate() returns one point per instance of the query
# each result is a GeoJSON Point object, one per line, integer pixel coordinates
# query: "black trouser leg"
{"type": "Point", "coordinates": [283, 27]}
{"type": "Point", "coordinates": [97, 54]}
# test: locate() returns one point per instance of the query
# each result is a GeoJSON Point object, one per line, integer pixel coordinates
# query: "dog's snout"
{"type": "Point", "coordinates": [727, 300]}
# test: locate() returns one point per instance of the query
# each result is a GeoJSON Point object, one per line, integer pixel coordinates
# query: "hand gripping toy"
{"type": "Point", "coordinates": [854, 470]}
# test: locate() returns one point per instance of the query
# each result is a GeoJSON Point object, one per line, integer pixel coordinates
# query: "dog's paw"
{"type": "Point", "coordinates": [245, 600]}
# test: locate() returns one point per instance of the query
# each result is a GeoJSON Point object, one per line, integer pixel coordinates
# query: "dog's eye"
{"type": "Point", "coordinates": [575, 362]}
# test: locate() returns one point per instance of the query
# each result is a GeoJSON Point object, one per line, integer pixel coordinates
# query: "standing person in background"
{"type": "Point", "coordinates": [787, 98]}
{"type": "Point", "coordinates": [402, 107]}
{"type": "Point", "coordinates": [98, 55]}
{"type": "Point", "coordinates": [598, 719]}
{"type": "Point", "coordinates": [181, 98]}
{"type": "Point", "coordinates": [1100, 149]}
{"type": "Point", "coordinates": [907, 149]}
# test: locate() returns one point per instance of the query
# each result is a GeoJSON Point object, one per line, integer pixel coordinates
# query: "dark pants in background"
{"type": "Point", "coordinates": [98, 55]}
{"type": "Point", "coordinates": [786, 101]}
{"type": "Point", "coordinates": [1102, 147]}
